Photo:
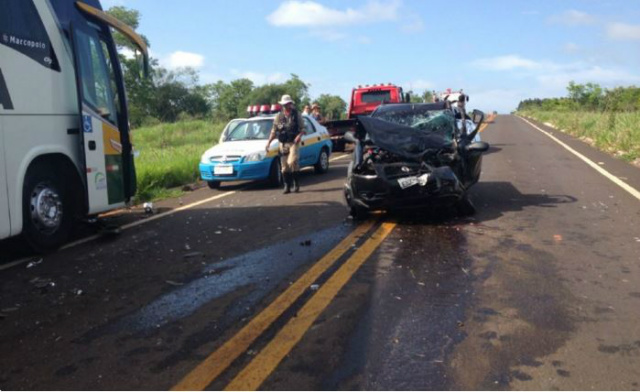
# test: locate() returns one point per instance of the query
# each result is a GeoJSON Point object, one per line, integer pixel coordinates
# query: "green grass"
{"type": "Point", "coordinates": [615, 133]}
{"type": "Point", "coordinates": [170, 154]}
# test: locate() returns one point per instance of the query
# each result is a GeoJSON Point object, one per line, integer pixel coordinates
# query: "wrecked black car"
{"type": "Point", "coordinates": [414, 155]}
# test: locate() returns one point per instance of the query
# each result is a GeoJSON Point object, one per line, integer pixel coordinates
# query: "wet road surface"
{"type": "Point", "coordinates": [539, 290]}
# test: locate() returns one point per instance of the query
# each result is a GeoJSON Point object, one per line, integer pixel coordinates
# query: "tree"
{"type": "Point", "coordinates": [131, 18]}
{"type": "Point", "coordinates": [413, 97]}
{"type": "Point", "coordinates": [332, 106]}
{"type": "Point", "coordinates": [427, 96]}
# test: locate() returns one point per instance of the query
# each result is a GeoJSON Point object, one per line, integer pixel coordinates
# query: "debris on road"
{"type": "Point", "coordinates": [305, 243]}
{"type": "Point", "coordinates": [42, 283]}
{"type": "Point", "coordinates": [77, 292]}
{"type": "Point", "coordinates": [217, 232]}
{"type": "Point", "coordinates": [314, 287]}
{"type": "Point", "coordinates": [193, 254]}
{"type": "Point", "coordinates": [34, 263]}
{"type": "Point", "coordinates": [557, 237]}
{"type": "Point", "coordinates": [174, 283]}
{"type": "Point", "coordinates": [148, 208]}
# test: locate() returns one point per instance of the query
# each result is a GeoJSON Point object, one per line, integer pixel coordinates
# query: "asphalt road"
{"type": "Point", "coordinates": [252, 289]}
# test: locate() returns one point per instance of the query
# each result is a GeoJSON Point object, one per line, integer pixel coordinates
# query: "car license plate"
{"type": "Point", "coordinates": [223, 169]}
{"type": "Point", "coordinates": [406, 182]}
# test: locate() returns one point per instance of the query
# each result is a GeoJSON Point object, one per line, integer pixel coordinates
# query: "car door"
{"type": "Point", "coordinates": [310, 144]}
{"type": "Point", "coordinates": [5, 226]}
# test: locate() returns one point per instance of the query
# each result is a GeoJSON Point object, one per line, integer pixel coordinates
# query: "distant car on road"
{"type": "Point", "coordinates": [241, 155]}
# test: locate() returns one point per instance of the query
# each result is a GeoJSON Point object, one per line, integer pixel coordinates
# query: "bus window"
{"type": "Point", "coordinates": [97, 79]}
{"type": "Point", "coordinates": [22, 30]}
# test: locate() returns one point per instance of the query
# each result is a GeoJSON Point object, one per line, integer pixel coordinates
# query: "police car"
{"type": "Point", "coordinates": [241, 153]}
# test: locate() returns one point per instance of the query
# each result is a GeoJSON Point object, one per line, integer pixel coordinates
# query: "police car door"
{"type": "Point", "coordinates": [101, 142]}
{"type": "Point", "coordinates": [309, 151]}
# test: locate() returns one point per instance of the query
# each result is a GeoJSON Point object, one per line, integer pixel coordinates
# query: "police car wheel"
{"type": "Point", "coordinates": [322, 166]}
{"type": "Point", "coordinates": [275, 174]}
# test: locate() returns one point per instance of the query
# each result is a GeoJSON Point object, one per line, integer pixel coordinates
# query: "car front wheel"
{"type": "Point", "coordinates": [322, 166]}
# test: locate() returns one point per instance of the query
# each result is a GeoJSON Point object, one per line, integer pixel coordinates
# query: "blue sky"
{"type": "Point", "coordinates": [499, 52]}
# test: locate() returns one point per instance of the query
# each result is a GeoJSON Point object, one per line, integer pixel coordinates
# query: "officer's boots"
{"type": "Point", "coordinates": [287, 182]}
{"type": "Point", "coordinates": [296, 181]}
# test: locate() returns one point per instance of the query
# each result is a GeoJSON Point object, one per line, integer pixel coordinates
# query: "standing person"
{"type": "Point", "coordinates": [315, 113]}
{"type": "Point", "coordinates": [306, 110]}
{"type": "Point", "coordinates": [288, 128]}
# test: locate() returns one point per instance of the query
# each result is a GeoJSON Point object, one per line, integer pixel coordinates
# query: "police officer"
{"type": "Point", "coordinates": [288, 128]}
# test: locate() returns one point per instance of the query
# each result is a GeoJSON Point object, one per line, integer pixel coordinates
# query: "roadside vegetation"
{"type": "Point", "coordinates": [169, 155]}
{"type": "Point", "coordinates": [608, 119]}
{"type": "Point", "coordinates": [175, 118]}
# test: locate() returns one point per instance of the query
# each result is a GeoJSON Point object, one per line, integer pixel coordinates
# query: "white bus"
{"type": "Point", "coordinates": [65, 147]}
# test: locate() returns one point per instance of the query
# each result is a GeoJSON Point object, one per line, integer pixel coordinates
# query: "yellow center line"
{"type": "Point", "coordinates": [209, 369]}
{"type": "Point", "coordinates": [254, 374]}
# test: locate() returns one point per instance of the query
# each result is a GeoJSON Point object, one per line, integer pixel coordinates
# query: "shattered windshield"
{"type": "Point", "coordinates": [251, 130]}
{"type": "Point", "coordinates": [410, 132]}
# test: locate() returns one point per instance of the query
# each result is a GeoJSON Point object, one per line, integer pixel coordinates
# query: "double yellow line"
{"type": "Point", "coordinates": [254, 374]}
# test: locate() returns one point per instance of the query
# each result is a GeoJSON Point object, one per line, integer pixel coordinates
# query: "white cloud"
{"type": "Point", "coordinates": [573, 18]}
{"type": "Point", "coordinates": [180, 59]}
{"type": "Point", "coordinates": [623, 31]}
{"type": "Point", "coordinates": [260, 78]}
{"type": "Point", "coordinates": [571, 48]}
{"type": "Point", "coordinates": [328, 35]}
{"type": "Point", "coordinates": [294, 13]}
{"type": "Point", "coordinates": [418, 84]}
{"type": "Point", "coordinates": [127, 53]}
{"type": "Point", "coordinates": [413, 24]}
{"type": "Point", "coordinates": [582, 73]}
{"type": "Point", "coordinates": [505, 63]}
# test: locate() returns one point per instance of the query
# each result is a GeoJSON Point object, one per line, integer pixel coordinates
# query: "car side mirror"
{"type": "Point", "coordinates": [477, 116]}
{"type": "Point", "coordinates": [477, 147]}
{"type": "Point", "coordinates": [350, 137]}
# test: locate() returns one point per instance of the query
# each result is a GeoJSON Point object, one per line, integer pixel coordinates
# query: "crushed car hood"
{"type": "Point", "coordinates": [411, 142]}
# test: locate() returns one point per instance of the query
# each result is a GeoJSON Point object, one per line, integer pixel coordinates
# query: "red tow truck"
{"type": "Point", "coordinates": [364, 100]}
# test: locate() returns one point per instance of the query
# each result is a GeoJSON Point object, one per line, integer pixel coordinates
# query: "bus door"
{"type": "Point", "coordinates": [5, 226]}
{"type": "Point", "coordinates": [103, 146]}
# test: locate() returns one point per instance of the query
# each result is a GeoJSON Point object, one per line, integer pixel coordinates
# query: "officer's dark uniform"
{"type": "Point", "coordinates": [286, 129]}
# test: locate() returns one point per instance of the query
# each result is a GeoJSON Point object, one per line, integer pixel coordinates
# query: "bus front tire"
{"type": "Point", "coordinates": [47, 208]}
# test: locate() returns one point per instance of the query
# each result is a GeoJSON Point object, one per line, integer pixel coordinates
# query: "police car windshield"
{"type": "Point", "coordinates": [251, 130]}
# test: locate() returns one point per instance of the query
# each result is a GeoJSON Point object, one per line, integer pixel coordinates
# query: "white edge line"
{"type": "Point", "coordinates": [150, 219]}
{"type": "Point", "coordinates": [14, 263]}
{"type": "Point", "coordinates": [140, 222]}
{"type": "Point", "coordinates": [589, 162]}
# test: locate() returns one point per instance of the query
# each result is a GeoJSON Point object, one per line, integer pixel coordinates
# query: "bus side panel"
{"type": "Point", "coordinates": [44, 116]}
{"type": "Point", "coordinates": [5, 221]}
{"type": "Point", "coordinates": [31, 137]}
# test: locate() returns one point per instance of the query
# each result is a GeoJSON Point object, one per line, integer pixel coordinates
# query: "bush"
{"type": "Point", "coordinates": [170, 154]}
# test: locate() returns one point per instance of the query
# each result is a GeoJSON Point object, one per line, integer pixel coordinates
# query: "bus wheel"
{"type": "Point", "coordinates": [47, 211]}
